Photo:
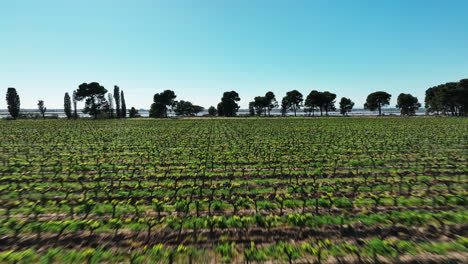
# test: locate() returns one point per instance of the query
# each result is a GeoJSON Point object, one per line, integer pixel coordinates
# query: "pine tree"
{"type": "Point", "coordinates": [42, 108]}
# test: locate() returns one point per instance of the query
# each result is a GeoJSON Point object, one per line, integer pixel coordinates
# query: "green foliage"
{"type": "Point", "coordinates": [376, 100]}
{"type": "Point", "coordinates": [67, 106]}
{"type": "Point", "coordinates": [227, 251]}
{"type": "Point", "coordinates": [13, 102]}
{"type": "Point", "coordinates": [228, 105]}
{"type": "Point", "coordinates": [94, 95]}
{"type": "Point", "coordinates": [408, 104]}
{"type": "Point", "coordinates": [448, 98]}
{"type": "Point", "coordinates": [346, 105]}
{"type": "Point", "coordinates": [380, 247]}
{"type": "Point", "coordinates": [292, 101]}
{"type": "Point", "coordinates": [285, 184]}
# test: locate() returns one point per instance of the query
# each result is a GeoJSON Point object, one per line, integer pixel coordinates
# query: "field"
{"type": "Point", "coordinates": [297, 190]}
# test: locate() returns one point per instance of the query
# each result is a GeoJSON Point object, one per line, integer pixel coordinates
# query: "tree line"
{"type": "Point", "coordinates": [448, 99]}
{"type": "Point", "coordinates": [451, 98]}
{"type": "Point", "coordinates": [93, 94]}
{"type": "Point", "coordinates": [96, 104]}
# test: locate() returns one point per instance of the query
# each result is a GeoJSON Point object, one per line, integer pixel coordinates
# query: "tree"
{"type": "Point", "coordinates": [13, 102]}
{"type": "Point", "coordinates": [328, 102]}
{"type": "Point", "coordinates": [271, 102]}
{"type": "Point", "coordinates": [183, 108]}
{"type": "Point", "coordinates": [462, 96]}
{"type": "Point", "coordinates": [161, 101]}
{"type": "Point", "coordinates": [110, 109]}
{"type": "Point", "coordinates": [212, 111]}
{"type": "Point", "coordinates": [261, 105]}
{"type": "Point", "coordinates": [123, 110]}
{"type": "Point", "coordinates": [197, 109]}
{"type": "Point", "coordinates": [156, 110]}
{"type": "Point", "coordinates": [67, 106]}
{"type": "Point", "coordinates": [449, 98]}
{"type": "Point", "coordinates": [42, 108]}
{"type": "Point", "coordinates": [75, 100]}
{"type": "Point", "coordinates": [228, 105]}
{"type": "Point", "coordinates": [284, 106]}
{"type": "Point", "coordinates": [376, 100]}
{"type": "Point", "coordinates": [133, 113]}
{"type": "Point", "coordinates": [432, 101]}
{"type": "Point", "coordinates": [293, 101]}
{"type": "Point", "coordinates": [407, 104]}
{"type": "Point", "coordinates": [94, 95]}
{"type": "Point", "coordinates": [346, 105]}
{"type": "Point", "coordinates": [312, 101]}
{"type": "Point", "coordinates": [251, 108]}
{"type": "Point", "coordinates": [117, 101]}
{"type": "Point", "coordinates": [186, 108]}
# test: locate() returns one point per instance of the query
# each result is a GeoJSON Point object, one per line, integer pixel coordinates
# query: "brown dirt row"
{"type": "Point", "coordinates": [426, 258]}
{"type": "Point", "coordinates": [205, 238]}
{"type": "Point", "coordinates": [245, 212]}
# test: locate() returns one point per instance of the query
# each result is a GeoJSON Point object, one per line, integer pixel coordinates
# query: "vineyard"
{"type": "Point", "coordinates": [242, 190]}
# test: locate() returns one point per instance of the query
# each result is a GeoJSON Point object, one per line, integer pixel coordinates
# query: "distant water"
{"type": "Point", "coordinates": [242, 112]}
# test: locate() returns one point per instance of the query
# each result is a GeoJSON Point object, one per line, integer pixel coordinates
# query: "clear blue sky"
{"type": "Point", "coordinates": [200, 49]}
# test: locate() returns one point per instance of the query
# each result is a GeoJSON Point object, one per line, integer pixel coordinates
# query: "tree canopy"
{"type": "Point", "coordinates": [263, 104]}
{"type": "Point", "coordinates": [161, 102]}
{"type": "Point", "coordinates": [123, 105]}
{"type": "Point", "coordinates": [292, 101]}
{"type": "Point", "coordinates": [133, 113]}
{"type": "Point", "coordinates": [228, 105]}
{"type": "Point", "coordinates": [197, 109]}
{"type": "Point", "coordinates": [67, 105]}
{"type": "Point", "coordinates": [312, 101]}
{"type": "Point", "coordinates": [324, 101]}
{"type": "Point", "coordinates": [327, 102]}
{"type": "Point", "coordinates": [117, 101]}
{"type": "Point", "coordinates": [41, 107]}
{"type": "Point", "coordinates": [346, 105]}
{"type": "Point", "coordinates": [376, 100]}
{"type": "Point", "coordinates": [75, 101]}
{"type": "Point", "coordinates": [260, 105]}
{"type": "Point", "coordinates": [212, 111]}
{"type": "Point", "coordinates": [449, 98]}
{"type": "Point", "coordinates": [186, 108]}
{"type": "Point", "coordinates": [94, 95]}
{"type": "Point", "coordinates": [271, 100]}
{"type": "Point", "coordinates": [407, 104]}
{"type": "Point", "coordinates": [13, 102]}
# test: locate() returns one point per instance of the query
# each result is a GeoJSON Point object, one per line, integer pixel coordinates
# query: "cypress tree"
{"type": "Point", "coordinates": [67, 106]}
{"type": "Point", "coordinates": [117, 100]}
{"type": "Point", "coordinates": [75, 113]}
{"type": "Point", "coordinates": [123, 110]}
{"type": "Point", "coordinates": [13, 102]}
